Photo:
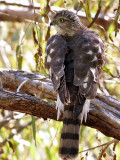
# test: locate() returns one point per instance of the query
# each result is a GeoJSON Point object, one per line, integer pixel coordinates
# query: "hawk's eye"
{"type": "Point", "coordinates": [61, 20]}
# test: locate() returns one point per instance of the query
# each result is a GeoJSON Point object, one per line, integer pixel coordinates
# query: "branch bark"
{"type": "Point", "coordinates": [27, 104]}
{"type": "Point", "coordinates": [20, 12]}
{"type": "Point", "coordinates": [104, 112]}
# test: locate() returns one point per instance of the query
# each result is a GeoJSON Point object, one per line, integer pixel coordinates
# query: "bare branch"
{"type": "Point", "coordinates": [27, 104]}
{"type": "Point", "coordinates": [26, 5]}
{"type": "Point", "coordinates": [96, 16]}
{"type": "Point", "coordinates": [19, 12]}
{"type": "Point", "coordinates": [104, 112]}
{"type": "Point", "coordinates": [35, 84]}
{"type": "Point", "coordinates": [101, 145]}
{"type": "Point", "coordinates": [6, 119]}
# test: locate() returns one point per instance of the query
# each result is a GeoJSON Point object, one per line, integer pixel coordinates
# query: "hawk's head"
{"type": "Point", "coordinates": [66, 23]}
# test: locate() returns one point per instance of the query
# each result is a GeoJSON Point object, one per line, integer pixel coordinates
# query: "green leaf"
{"type": "Point", "coordinates": [111, 28]}
{"type": "Point", "coordinates": [29, 33]}
{"type": "Point", "coordinates": [116, 19]}
{"type": "Point", "coordinates": [20, 60]}
{"type": "Point", "coordinates": [15, 36]}
{"type": "Point", "coordinates": [11, 145]}
{"type": "Point", "coordinates": [107, 70]}
{"type": "Point", "coordinates": [48, 153]}
{"type": "Point", "coordinates": [34, 128]}
{"type": "Point", "coordinates": [19, 57]}
{"type": "Point", "coordinates": [87, 10]}
{"type": "Point", "coordinates": [17, 49]}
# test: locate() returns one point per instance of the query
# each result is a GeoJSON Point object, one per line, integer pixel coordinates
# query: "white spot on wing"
{"type": "Point", "coordinates": [48, 59]}
{"type": "Point", "coordinates": [56, 78]}
{"type": "Point", "coordinates": [60, 72]}
{"type": "Point", "coordinates": [90, 52]}
{"type": "Point", "coordinates": [59, 106]}
{"type": "Point", "coordinates": [99, 50]}
{"type": "Point", "coordinates": [100, 40]}
{"type": "Point", "coordinates": [48, 46]}
{"type": "Point", "coordinates": [52, 50]}
{"type": "Point", "coordinates": [53, 41]}
{"type": "Point", "coordinates": [85, 110]}
{"type": "Point", "coordinates": [94, 59]}
{"type": "Point", "coordinates": [86, 79]}
{"type": "Point", "coordinates": [85, 85]}
{"type": "Point", "coordinates": [93, 70]}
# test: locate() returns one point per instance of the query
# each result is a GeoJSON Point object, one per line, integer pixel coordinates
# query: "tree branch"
{"type": "Point", "coordinates": [35, 84]}
{"type": "Point", "coordinates": [104, 112]}
{"type": "Point", "coordinates": [27, 104]}
{"type": "Point", "coordinates": [20, 12]}
{"type": "Point", "coordinates": [23, 4]}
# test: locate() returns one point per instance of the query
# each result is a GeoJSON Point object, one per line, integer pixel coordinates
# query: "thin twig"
{"type": "Point", "coordinates": [18, 131]}
{"type": "Point", "coordinates": [96, 16]}
{"type": "Point", "coordinates": [107, 143]}
{"type": "Point", "coordinates": [20, 4]}
{"type": "Point", "coordinates": [104, 149]}
{"type": "Point", "coordinates": [54, 137]}
{"type": "Point", "coordinates": [112, 45]}
{"type": "Point", "coordinates": [6, 119]}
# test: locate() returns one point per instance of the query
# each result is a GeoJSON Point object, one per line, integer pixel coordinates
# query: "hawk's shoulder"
{"type": "Point", "coordinates": [55, 52]}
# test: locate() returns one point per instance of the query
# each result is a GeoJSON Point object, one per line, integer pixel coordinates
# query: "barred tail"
{"type": "Point", "coordinates": [69, 143]}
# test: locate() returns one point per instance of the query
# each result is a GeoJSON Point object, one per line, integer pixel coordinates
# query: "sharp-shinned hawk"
{"type": "Point", "coordinates": [74, 57]}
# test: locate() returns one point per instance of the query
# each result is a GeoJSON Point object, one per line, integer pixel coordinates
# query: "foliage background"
{"type": "Point", "coordinates": [20, 48]}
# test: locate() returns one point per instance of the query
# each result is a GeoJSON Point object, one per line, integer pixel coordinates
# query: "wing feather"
{"type": "Point", "coordinates": [88, 59]}
{"type": "Point", "coordinates": [55, 55]}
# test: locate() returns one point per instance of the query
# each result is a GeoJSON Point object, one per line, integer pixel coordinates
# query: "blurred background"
{"type": "Point", "coordinates": [24, 31]}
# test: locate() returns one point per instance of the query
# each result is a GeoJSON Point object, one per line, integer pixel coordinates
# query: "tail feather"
{"type": "Point", "coordinates": [69, 143]}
